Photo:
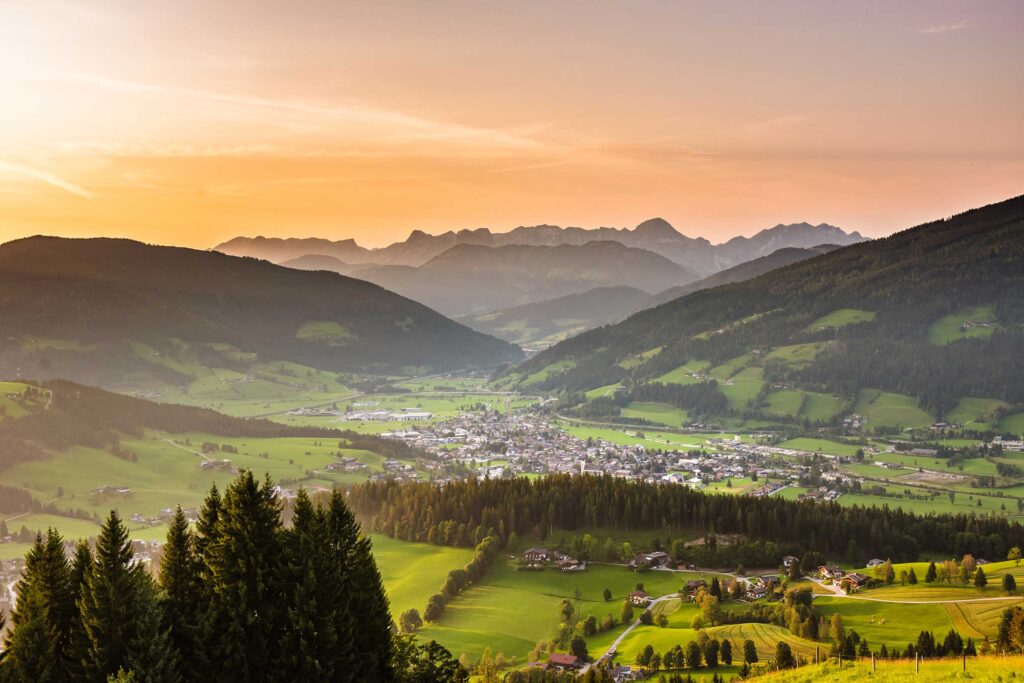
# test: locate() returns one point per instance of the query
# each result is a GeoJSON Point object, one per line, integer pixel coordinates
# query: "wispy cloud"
{"type": "Point", "coordinates": [422, 128]}
{"type": "Point", "coordinates": [776, 122]}
{"type": "Point", "coordinates": [45, 177]}
{"type": "Point", "coordinates": [944, 28]}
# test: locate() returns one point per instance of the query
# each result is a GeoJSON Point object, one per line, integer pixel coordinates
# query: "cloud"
{"type": "Point", "coordinates": [422, 128]}
{"type": "Point", "coordinates": [943, 28]}
{"type": "Point", "coordinates": [776, 122]}
{"type": "Point", "coordinates": [46, 177]}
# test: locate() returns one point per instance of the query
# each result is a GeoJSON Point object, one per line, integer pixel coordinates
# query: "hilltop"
{"type": "Point", "coordinates": [102, 310]}
{"type": "Point", "coordinates": [926, 317]}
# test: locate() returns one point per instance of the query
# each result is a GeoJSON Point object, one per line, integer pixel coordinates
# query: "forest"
{"type": "Point", "coordinates": [472, 509]}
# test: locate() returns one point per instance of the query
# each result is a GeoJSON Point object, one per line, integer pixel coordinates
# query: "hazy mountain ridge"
{"type": "Point", "coordinates": [88, 300]}
{"type": "Point", "coordinates": [656, 234]}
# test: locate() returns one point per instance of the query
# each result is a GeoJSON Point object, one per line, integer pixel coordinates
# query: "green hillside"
{"type": "Point", "coordinates": [107, 311]}
{"type": "Point", "coordinates": [900, 328]}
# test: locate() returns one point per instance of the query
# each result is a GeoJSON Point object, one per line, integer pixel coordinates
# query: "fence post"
{"type": "Point", "coordinates": [816, 648]}
{"type": "Point", "coordinates": [872, 661]}
{"type": "Point", "coordinates": [965, 663]}
{"type": "Point", "coordinates": [917, 663]}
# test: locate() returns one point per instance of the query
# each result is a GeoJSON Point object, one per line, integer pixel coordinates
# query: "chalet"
{"type": "Point", "coordinates": [830, 571]}
{"type": "Point", "coordinates": [789, 560]}
{"type": "Point", "coordinates": [649, 560]}
{"type": "Point", "coordinates": [639, 599]}
{"type": "Point", "coordinates": [875, 562]}
{"type": "Point", "coordinates": [856, 580]}
{"type": "Point", "coordinates": [924, 452]}
{"type": "Point", "coordinates": [757, 591]}
{"type": "Point", "coordinates": [694, 586]}
{"type": "Point", "coordinates": [535, 555]}
{"type": "Point", "coordinates": [569, 564]}
{"type": "Point", "coordinates": [562, 662]}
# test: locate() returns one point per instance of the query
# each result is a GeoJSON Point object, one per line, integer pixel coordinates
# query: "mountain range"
{"type": "Point", "coordinates": [933, 312]}
{"type": "Point", "coordinates": [657, 235]}
{"type": "Point", "coordinates": [98, 310]}
{"type": "Point", "coordinates": [470, 278]}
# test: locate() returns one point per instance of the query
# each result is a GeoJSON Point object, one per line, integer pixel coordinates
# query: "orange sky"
{"type": "Point", "coordinates": [191, 122]}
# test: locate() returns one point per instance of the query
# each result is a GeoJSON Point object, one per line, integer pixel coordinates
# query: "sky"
{"type": "Point", "coordinates": [190, 122]}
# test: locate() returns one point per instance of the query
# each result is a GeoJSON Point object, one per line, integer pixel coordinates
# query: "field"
{"type": "Point", "coordinates": [993, 668]}
{"type": "Point", "coordinates": [662, 413]}
{"type": "Point", "coordinates": [974, 413]}
{"type": "Point", "coordinates": [683, 374]}
{"type": "Point", "coordinates": [841, 318]}
{"type": "Point", "coordinates": [412, 572]}
{"type": "Point", "coordinates": [820, 446]}
{"type": "Point", "coordinates": [950, 328]}
{"type": "Point", "coordinates": [896, 410]}
{"type": "Point", "coordinates": [511, 611]}
{"type": "Point", "coordinates": [796, 354]}
{"type": "Point", "coordinates": [1013, 423]}
{"type": "Point", "coordinates": [742, 387]}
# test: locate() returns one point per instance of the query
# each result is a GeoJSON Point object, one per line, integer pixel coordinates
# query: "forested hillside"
{"type": "Point", "coordinates": [90, 310]}
{"type": "Point", "coordinates": [934, 312]}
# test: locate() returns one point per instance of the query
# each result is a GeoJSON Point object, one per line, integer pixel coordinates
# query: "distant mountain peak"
{"type": "Point", "coordinates": [656, 227]}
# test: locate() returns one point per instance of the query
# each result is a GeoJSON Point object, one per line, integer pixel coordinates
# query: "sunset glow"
{"type": "Point", "coordinates": [193, 122]}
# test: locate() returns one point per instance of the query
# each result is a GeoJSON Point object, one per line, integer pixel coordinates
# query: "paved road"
{"type": "Point", "coordinates": [615, 645]}
{"type": "Point", "coordinates": [204, 456]}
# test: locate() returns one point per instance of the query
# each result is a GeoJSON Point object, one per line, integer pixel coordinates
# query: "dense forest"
{"type": "Point", "coordinates": [909, 281]}
{"type": "Point", "coordinates": [240, 598]}
{"type": "Point", "coordinates": [86, 416]}
{"type": "Point", "coordinates": [464, 512]}
{"type": "Point", "coordinates": [97, 295]}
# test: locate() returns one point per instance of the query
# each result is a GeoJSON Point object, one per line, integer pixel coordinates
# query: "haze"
{"type": "Point", "coordinates": [189, 123]}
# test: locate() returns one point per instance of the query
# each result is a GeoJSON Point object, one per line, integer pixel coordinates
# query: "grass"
{"type": "Point", "coordinates": [785, 402]}
{"type": "Point", "coordinates": [742, 387]}
{"type": "Point", "coordinates": [894, 410]}
{"type": "Point", "coordinates": [975, 413]}
{"type": "Point", "coordinates": [949, 329]}
{"type": "Point", "coordinates": [1013, 424]}
{"type": "Point", "coordinates": [820, 446]}
{"type": "Point", "coordinates": [841, 318]}
{"type": "Point", "coordinates": [639, 358]}
{"type": "Point", "coordinates": [891, 623]}
{"type": "Point", "coordinates": [992, 668]}
{"type": "Point", "coordinates": [545, 372]}
{"type": "Point", "coordinates": [663, 413]}
{"type": "Point", "coordinates": [684, 373]}
{"type": "Point", "coordinates": [511, 611]}
{"type": "Point", "coordinates": [820, 406]}
{"type": "Point", "coordinates": [412, 572]}
{"type": "Point", "coordinates": [797, 354]}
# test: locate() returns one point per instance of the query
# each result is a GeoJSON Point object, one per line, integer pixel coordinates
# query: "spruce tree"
{"type": "Point", "coordinates": [368, 620]}
{"type": "Point", "coordinates": [208, 628]}
{"type": "Point", "coordinates": [180, 599]}
{"type": "Point", "coordinates": [78, 646]}
{"type": "Point", "coordinates": [151, 655]}
{"type": "Point", "coordinates": [245, 563]}
{"type": "Point", "coordinates": [46, 582]}
{"type": "Point", "coordinates": [309, 648]}
{"type": "Point", "coordinates": [31, 647]}
{"type": "Point", "coordinates": [109, 601]}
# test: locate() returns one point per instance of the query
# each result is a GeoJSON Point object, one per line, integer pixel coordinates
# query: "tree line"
{"type": "Point", "coordinates": [500, 507]}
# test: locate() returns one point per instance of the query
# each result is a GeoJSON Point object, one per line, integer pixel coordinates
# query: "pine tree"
{"type": "Point", "coordinates": [208, 628]}
{"type": "Point", "coordinates": [78, 645]}
{"type": "Point", "coordinates": [46, 581]}
{"type": "Point", "coordinates": [109, 600]}
{"type": "Point", "coordinates": [309, 648]}
{"type": "Point", "coordinates": [245, 563]}
{"type": "Point", "coordinates": [1009, 583]}
{"type": "Point", "coordinates": [931, 574]}
{"type": "Point", "coordinates": [371, 640]}
{"type": "Point", "coordinates": [179, 601]}
{"type": "Point", "coordinates": [31, 647]}
{"type": "Point", "coordinates": [151, 655]}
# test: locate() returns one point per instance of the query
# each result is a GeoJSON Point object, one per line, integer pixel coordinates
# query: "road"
{"type": "Point", "coordinates": [615, 645]}
{"type": "Point", "coordinates": [204, 456]}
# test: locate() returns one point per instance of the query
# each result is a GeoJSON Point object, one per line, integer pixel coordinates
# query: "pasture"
{"type": "Point", "coordinates": [888, 409]}
{"type": "Point", "coordinates": [841, 318]}
{"type": "Point", "coordinates": [412, 572]}
{"type": "Point", "coordinates": [992, 668]}
{"type": "Point", "coordinates": [978, 322]}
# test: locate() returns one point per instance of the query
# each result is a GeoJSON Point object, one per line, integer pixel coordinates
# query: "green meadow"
{"type": "Point", "coordinates": [951, 328]}
{"type": "Point", "coordinates": [841, 318]}
{"type": "Point", "coordinates": [888, 409]}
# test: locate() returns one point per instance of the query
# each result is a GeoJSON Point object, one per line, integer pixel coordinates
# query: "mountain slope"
{"type": "Point", "coordinates": [933, 312]}
{"type": "Point", "coordinates": [540, 324]}
{"type": "Point", "coordinates": [82, 308]}
{"type": "Point", "coordinates": [318, 262]}
{"type": "Point", "coordinates": [472, 279]}
{"type": "Point", "coordinates": [744, 271]}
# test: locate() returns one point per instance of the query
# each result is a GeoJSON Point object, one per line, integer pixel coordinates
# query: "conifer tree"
{"type": "Point", "coordinates": [46, 584]}
{"type": "Point", "coordinates": [244, 561]}
{"type": "Point", "coordinates": [179, 601]}
{"type": "Point", "coordinates": [31, 647]}
{"type": "Point", "coordinates": [151, 655]}
{"type": "Point", "coordinates": [78, 646]}
{"type": "Point", "coordinates": [109, 600]}
{"type": "Point", "coordinates": [309, 648]}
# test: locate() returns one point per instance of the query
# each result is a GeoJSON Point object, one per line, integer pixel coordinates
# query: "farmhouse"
{"type": "Point", "coordinates": [649, 560]}
{"type": "Point", "coordinates": [830, 571]}
{"type": "Point", "coordinates": [639, 599]}
{"type": "Point", "coordinates": [562, 662]}
{"type": "Point", "coordinates": [856, 580]}
{"type": "Point", "coordinates": [534, 555]}
{"type": "Point", "coordinates": [789, 560]}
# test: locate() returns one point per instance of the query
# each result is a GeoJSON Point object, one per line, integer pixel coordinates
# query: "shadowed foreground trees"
{"type": "Point", "coordinates": [240, 598]}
